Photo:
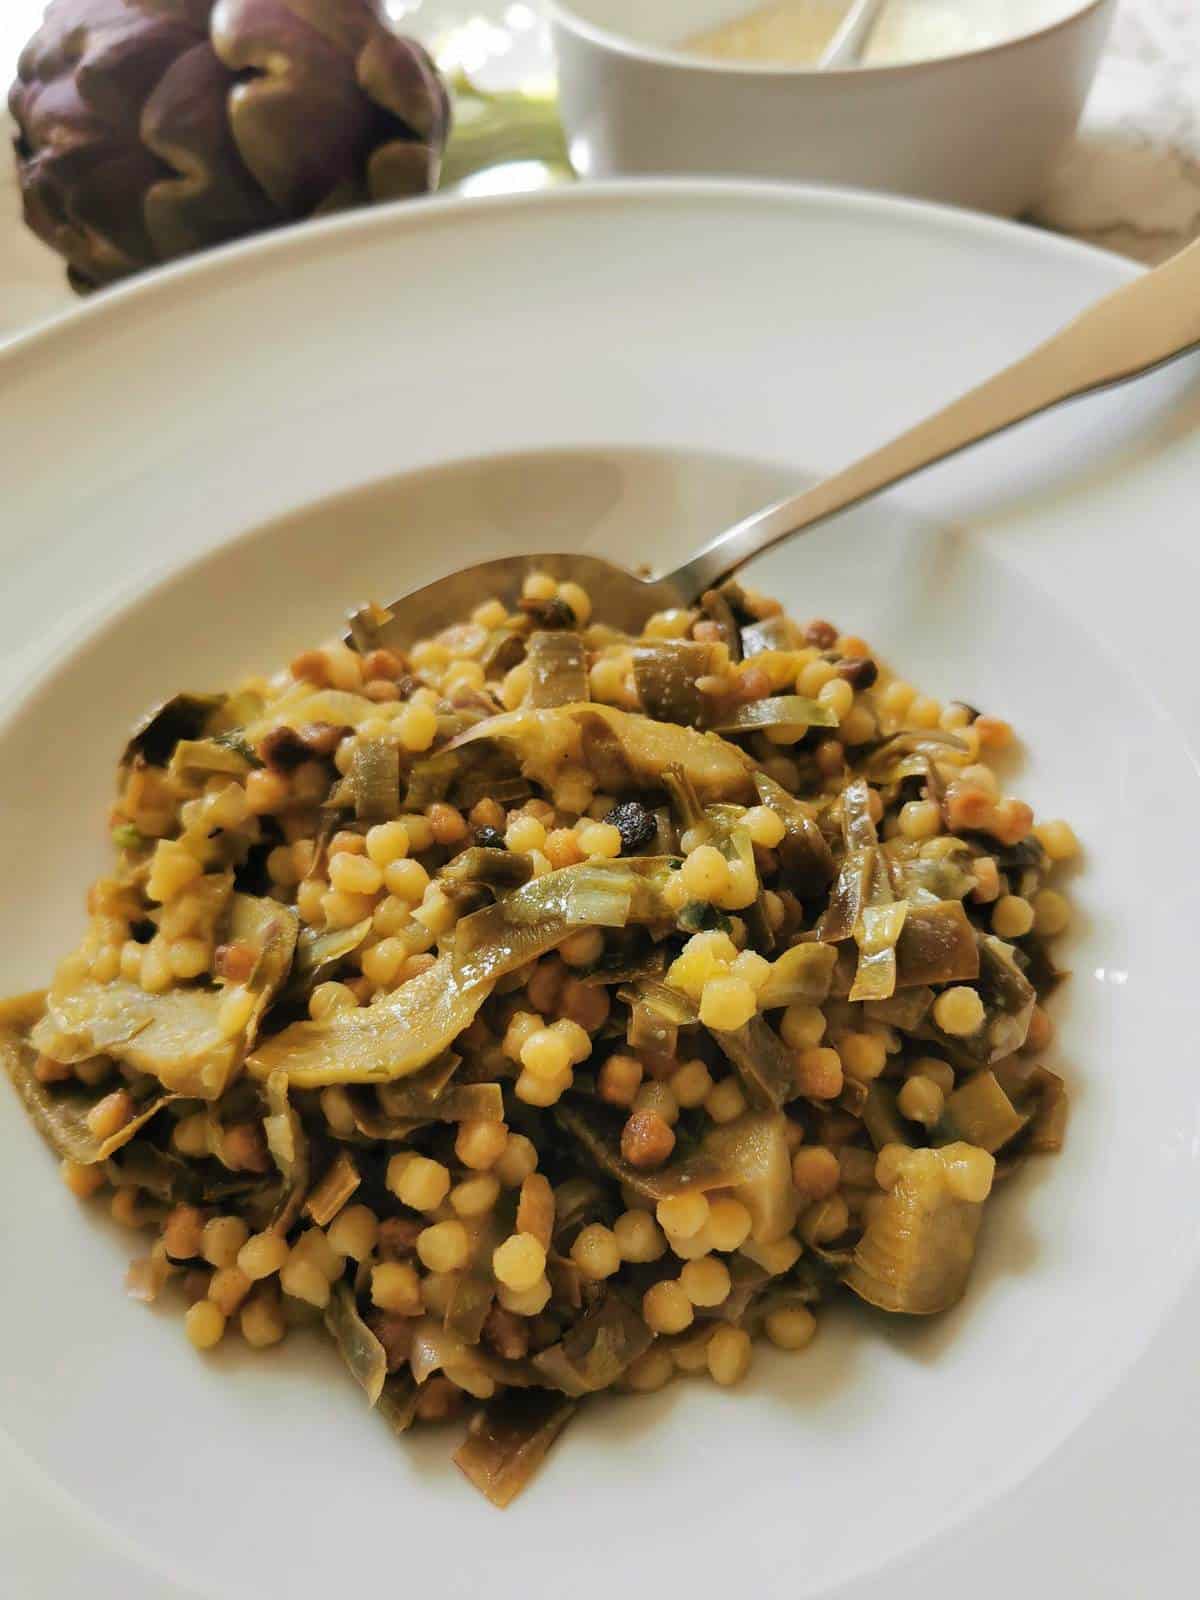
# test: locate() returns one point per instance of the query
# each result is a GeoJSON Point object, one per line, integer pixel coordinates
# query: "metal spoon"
{"type": "Point", "coordinates": [846, 47]}
{"type": "Point", "coordinates": [1144, 325]}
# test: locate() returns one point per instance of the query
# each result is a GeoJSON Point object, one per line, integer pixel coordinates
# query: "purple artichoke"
{"type": "Point", "coordinates": [147, 129]}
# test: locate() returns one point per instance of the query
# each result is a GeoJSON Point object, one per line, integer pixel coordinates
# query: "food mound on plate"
{"type": "Point", "coordinates": [544, 1010]}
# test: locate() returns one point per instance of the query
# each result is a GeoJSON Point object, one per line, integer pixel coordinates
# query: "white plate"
{"type": "Point", "coordinates": [629, 369]}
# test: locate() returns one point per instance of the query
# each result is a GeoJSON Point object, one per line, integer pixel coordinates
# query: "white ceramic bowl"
{"type": "Point", "coordinates": [978, 130]}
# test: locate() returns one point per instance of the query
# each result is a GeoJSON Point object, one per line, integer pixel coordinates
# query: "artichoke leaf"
{"type": "Point", "coordinates": [764, 1063]}
{"type": "Point", "coordinates": [183, 716]}
{"type": "Point", "coordinates": [598, 1130]}
{"type": "Point", "coordinates": [1039, 1095]}
{"type": "Point", "coordinates": [558, 670]}
{"type": "Point", "coordinates": [779, 634]}
{"type": "Point", "coordinates": [413, 1097]}
{"type": "Point", "coordinates": [142, 1165]}
{"type": "Point", "coordinates": [804, 852]}
{"type": "Point", "coordinates": [936, 945]}
{"type": "Point", "coordinates": [374, 780]}
{"type": "Point", "coordinates": [1008, 1001]}
{"type": "Point", "coordinates": [271, 930]}
{"type": "Point", "coordinates": [431, 780]}
{"type": "Point", "coordinates": [318, 955]}
{"type": "Point", "coordinates": [881, 1116]}
{"type": "Point", "coordinates": [289, 1147]}
{"type": "Point", "coordinates": [508, 1440]}
{"type": "Point", "coordinates": [357, 1345]}
{"type": "Point", "coordinates": [754, 1149]}
{"type": "Point", "coordinates": [776, 711]}
{"type": "Point", "coordinates": [469, 1102]}
{"type": "Point", "coordinates": [665, 672]}
{"type": "Point", "coordinates": [979, 1112]}
{"type": "Point", "coordinates": [717, 607]}
{"type": "Point", "coordinates": [848, 897]}
{"type": "Point", "coordinates": [474, 1293]}
{"type": "Point", "coordinates": [596, 1351]}
{"type": "Point", "coordinates": [304, 705]}
{"type": "Point", "coordinates": [670, 1005]}
{"type": "Point", "coordinates": [748, 1156]}
{"type": "Point", "coordinates": [393, 1037]}
{"type": "Point", "coordinates": [498, 869]}
{"type": "Point", "coordinates": [877, 935]}
{"type": "Point", "coordinates": [886, 763]}
{"type": "Point", "coordinates": [173, 1036]}
{"type": "Point", "coordinates": [194, 760]}
{"type": "Point", "coordinates": [435, 1348]}
{"type": "Point", "coordinates": [906, 1010]}
{"type": "Point", "coordinates": [398, 1401]}
{"type": "Point", "coordinates": [622, 749]}
{"type": "Point", "coordinates": [59, 1111]}
{"type": "Point", "coordinates": [542, 914]}
{"type": "Point", "coordinates": [801, 975]}
{"type": "Point", "coordinates": [916, 1253]}
{"type": "Point", "coordinates": [339, 1181]}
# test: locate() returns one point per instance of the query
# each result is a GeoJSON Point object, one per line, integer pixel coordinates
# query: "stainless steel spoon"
{"type": "Point", "coordinates": [1144, 325]}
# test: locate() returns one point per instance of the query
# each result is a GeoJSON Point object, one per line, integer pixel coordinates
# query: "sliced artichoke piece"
{"type": "Point", "coordinates": [392, 1038]}
{"type": "Point", "coordinates": [288, 1144]}
{"type": "Point", "coordinates": [764, 1063]}
{"type": "Point", "coordinates": [622, 749]}
{"type": "Point", "coordinates": [802, 974]}
{"type": "Point", "coordinates": [174, 1036]}
{"type": "Point", "coordinates": [357, 1345]}
{"type": "Point", "coordinates": [916, 1254]}
{"type": "Point", "coordinates": [755, 1149]}
{"type": "Point", "coordinates": [665, 672]}
{"type": "Point", "coordinates": [777, 711]}
{"type": "Point", "coordinates": [398, 1401]}
{"type": "Point", "coordinates": [558, 669]}
{"type": "Point", "coordinates": [979, 1112]}
{"type": "Point", "coordinates": [338, 1182]}
{"type": "Point", "coordinates": [937, 944]}
{"type": "Point", "coordinates": [59, 1111]}
{"type": "Point", "coordinates": [598, 1129]}
{"type": "Point", "coordinates": [508, 1440]}
{"type": "Point", "coordinates": [183, 716]}
{"type": "Point", "coordinates": [318, 955]}
{"type": "Point", "coordinates": [804, 853]}
{"type": "Point", "coordinates": [597, 1350]}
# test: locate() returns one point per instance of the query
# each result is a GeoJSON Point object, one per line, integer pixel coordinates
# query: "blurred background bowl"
{"type": "Point", "coordinates": [979, 129]}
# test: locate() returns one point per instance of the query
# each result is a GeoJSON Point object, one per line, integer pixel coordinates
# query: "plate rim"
{"type": "Point", "coordinates": [174, 280]}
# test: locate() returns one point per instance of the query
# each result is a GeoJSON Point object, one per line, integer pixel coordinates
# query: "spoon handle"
{"type": "Point", "coordinates": [846, 47]}
{"type": "Point", "coordinates": [1143, 325]}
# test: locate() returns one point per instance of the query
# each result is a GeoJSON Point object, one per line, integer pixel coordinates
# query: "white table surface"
{"type": "Point", "coordinates": [1130, 182]}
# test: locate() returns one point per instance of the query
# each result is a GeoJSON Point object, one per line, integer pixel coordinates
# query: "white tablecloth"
{"type": "Point", "coordinates": [1131, 181]}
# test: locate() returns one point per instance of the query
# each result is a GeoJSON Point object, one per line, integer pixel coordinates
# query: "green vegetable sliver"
{"type": "Point", "coordinates": [509, 1439]}
{"type": "Point", "coordinates": [558, 669]}
{"type": "Point", "coordinates": [357, 1345]}
{"type": "Point", "coordinates": [60, 1111]}
{"type": "Point", "coordinates": [393, 1038]}
{"type": "Point", "coordinates": [777, 711]}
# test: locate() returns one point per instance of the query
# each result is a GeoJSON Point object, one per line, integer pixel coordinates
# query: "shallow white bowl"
{"type": "Point", "coordinates": [203, 470]}
{"type": "Point", "coordinates": [979, 129]}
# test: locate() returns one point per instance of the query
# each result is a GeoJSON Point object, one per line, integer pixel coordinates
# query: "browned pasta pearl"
{"type": "Point", "coordinates": [646, 1140]}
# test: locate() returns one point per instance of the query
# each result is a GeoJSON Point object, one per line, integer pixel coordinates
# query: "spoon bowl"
{"type": "Point", "coordinates": [1142, 326]}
